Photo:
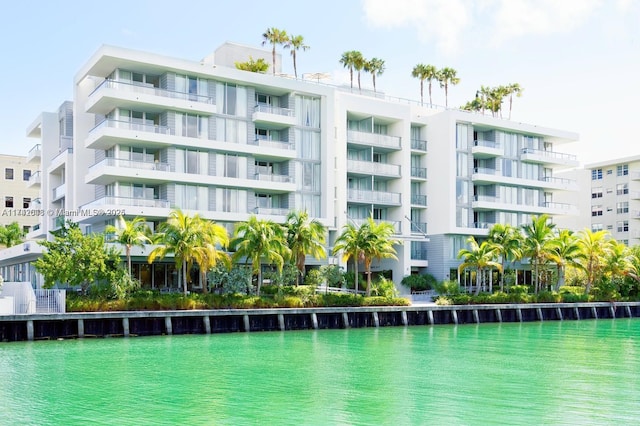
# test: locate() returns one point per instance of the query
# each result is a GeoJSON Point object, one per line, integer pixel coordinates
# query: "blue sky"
{"type": "Point", "coordinates": [578, 60]}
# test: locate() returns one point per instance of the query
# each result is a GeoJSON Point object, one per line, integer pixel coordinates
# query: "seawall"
{"type": "Point", "coordinates": [150, 323]}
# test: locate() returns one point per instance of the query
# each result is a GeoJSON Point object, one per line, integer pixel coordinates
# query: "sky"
{"type": "Point", "coordinates": [577, 60]}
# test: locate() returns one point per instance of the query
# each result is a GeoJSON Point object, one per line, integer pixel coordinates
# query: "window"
{"type": "Point", "coordinates": [622, 170]}
{"type": "Point", "coordinates": [26, 174]}
{"type": "Point", "coordinates": [622, 207]}
{"type": "Point", "coordinates": [609, 227]}
{"type": "Point", "coordinates": [8, 202]}
{"type": "Point", "coordinates": [596, 211]}
{"type": "Point", "coordinates": [8, 174]}
{"type": "Point", "coordinates": [597, 227]}
{"type": "Point", "coordinates": [596, 193]}
{"type": "Point", "coordinates": [622, 189]}
{"type": "Point", "coordinates": [26, 202]}
{"type": "Point", "coordinates": [596, 174]}
{"type": "Point", "coordinates": [622, 226]}
{"type": "Point", "coordinates": [610, 172]}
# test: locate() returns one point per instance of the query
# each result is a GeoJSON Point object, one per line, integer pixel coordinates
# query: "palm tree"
{"type": "Point", "coordinates": [537, 244]}
{"type": "Point", "coordinates": [350, 244]}
{"type": "Point", "coordinates": [513, 89]}
{"type": "Point", "coordinates": [296, 43]}
{"type": "Point", "coordinates": [180, 236]}
{"type": "Point", "coordinates": [425, 72]}
{"type": "Point", "coordinates": [208, 255]}
{"type": "Point", "coordinates": [275, 36]}
{"type": "Point", "coordinates": [305, 236]}
{"type": "Point", "coordinates": [565, 251]}
{"type": "Point", "coordinates": [374, 66]}
{"type": "Point", "coordinates": [256, 239]}
{"type": "Point", "coordinates": [11, 234]}
{"type": "Point", "coordinates": [507, 240]}
{"type": "Point", "coordinates": [447, 76]}
{"type": "Point", "coordinates": [377, 244]}
{"type": "Point", "coordinates": [130, 233]}
{"type": "Point", "coordinates": [358, 65]}
{"type": "Point", "coordinates": [595, 247]}
{"type": "Point", "coordinates": [348, 60]}
{"type": "Point", "coordinates": [617, 262]}
{"type": "Point", "coordinates": [479, 256]}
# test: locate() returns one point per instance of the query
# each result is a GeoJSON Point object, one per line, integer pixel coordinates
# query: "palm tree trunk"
{"type": "Point", "coordinates": [430, 100]}
{"type": "Point", "coordinates": [273, 55]}
{"type": "Point", "coordinates": [355, 268]}
{"type": "Point", "coordinates": [478, 281]}
{"type": "Point", "coordinates": [259, 278]}
{"type": "Point", "coordinates": [374, 83]}
{"type": "Point", "coordinates": [295, 69]}
{"type": "Point", "coordinates": [129, 259]}
{"type": "Point", "coordinates": [184, 276]}
{"type": "Point", "coordinates": [421, 92]}
{"type": "Point", "coordinates": [510, 104]}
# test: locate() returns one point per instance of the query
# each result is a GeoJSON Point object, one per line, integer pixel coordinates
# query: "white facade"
{"type": "Point", "coordinates": [19, 180]}
{"type": "Point", "coordinates": [151, 133]}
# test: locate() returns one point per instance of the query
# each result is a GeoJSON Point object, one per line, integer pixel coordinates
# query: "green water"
{"type": "Point", "coordinates": [572, 372]}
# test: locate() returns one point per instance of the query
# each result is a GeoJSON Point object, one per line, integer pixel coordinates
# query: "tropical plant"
{"type": "Point", "coordinates": [425, 72]}
{"type": "Point", "coordinates": [565, 251]}
{"type": "Point", "coordinates": [350, 244]}
{"type": "Point", "coordinates": [595, 247]}
{"type": "Point", "coordinates": [11, 234]}
{"type": "Point", "coordinates": [507, 241]}
{"type": "Point", "coordinates": [296, 43]}
{"type": "Point", "coordinates": [256, 239]}
{"type": "Point", "coordinates": [358, 65]}
{"type": "Point", "coordinates": [129, 233]}
{"type": "Point", "coordinates": [180, 236]}
{"type": "Point", "coordinates": [305, 236]}
{"type": "Point", "coordinates": [275, 36]}
{"type": "Point", "coordinates": [447, 76]}
{"type": "Point", "coordinates": [479, 257]}
{"type": "Point", "coordinates": [211, 237]}
{"type": "Point", "coordinates": [252, 65]}
{"type": "Point", "coordinates": [377, 244]}
{"type": "Point", "coordinates": [537, 244]}
{"type": "Point", "coordinates": [617, 261]}
{"type": "Point", "coordinates": [376, 67]}
{"type": "Point", "coordinates": [347, 60]}
{"type": "Point", "coordinates": [513, 89]}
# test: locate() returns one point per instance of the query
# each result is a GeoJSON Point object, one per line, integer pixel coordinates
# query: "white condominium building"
{"type": "Point", "coordinates": [152, 133]}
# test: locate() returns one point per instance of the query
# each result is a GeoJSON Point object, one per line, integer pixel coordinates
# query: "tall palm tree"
{"type": "Point", "coordinates": [256, 239]}
{"type": "Point", "coordinates": [480, 257]}
{"type": "Point", "coordinates": [358, 65]}
{"type": "Point", "coordinates": [507, 240]}
{"type": "Point", "coordinates": [617, 262]}
{"type": "Point", "coordinates": [595, 247]}
{"type": "Point", "coordinates": [275, 36]}
{"type": "Point", "coordinates": [537, 244]}
{"type": "Point", "coordinates": [213, 237]}
{"type": "Point", "coordinates": [296, 43]}
{"type": "Point", "coordinates": [565, 251]}
{"type": "Point", "coordinates": [349, 242]}
{"type": "Point", "coordinates": [180, 236]}
{"type": "Point", "coordinates": [425, 72]}
{"type": "Point", "coordinates": [130, 233]}
{"type": "Point", "coordinates": [348, 60]}
{"type": "Point", "coordinates": [377, 244]}
{"type": "Point", "coordinates": [447, 76]}
{"type": "Point", "coordinates": [376, 67]}
{"type": "Point", "coordinates": [513, 89]}
{"type": "Point", "coordinates": [305, 236]}
{"type": "Point", "coordinates": [11, 234]}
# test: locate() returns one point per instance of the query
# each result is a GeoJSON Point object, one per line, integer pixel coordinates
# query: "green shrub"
{"type": "Point", "coordinates": [460, 299]}
{"type": "Point", "coordinates": [548, 297]}
{"type": "Point", "coordinates": [447, 288]}
{"type": "Point", "coordinates": [314, 277]}
{"type": "Point", "coordinates": [385, 301]}
{"type": "Point", "coordinates": [443, 301]}
{"type": "Point", "coordinates": [419, 282]}
{"type": "Point", "coordinates": [518, 289]}
{"type": "Point", "coordinates": [334, 275]}
{"type": "Point", "coordinates": [571, 289]}
{"type": "Point", "coordinates": [574, 298]}
{"type": "Point", "coordinates": [384, 287]}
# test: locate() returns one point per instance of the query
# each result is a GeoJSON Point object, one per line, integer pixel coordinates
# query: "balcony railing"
{"type": "Point", "coordinates": [550, 154]}
{"type": "Point", "coordinates": [397, 226]}
{"type": "Point", "coordinates": [62, 153]}
{"type": "Point", "coordinates": [272, 177]}
{"type": "Point", "coordinates": [419, 227]}
{"type": "Point", "coordinates": [128, 125]}
{"type": "Point", "coordinates": [487, 144]}
{"type": "Point", "coordinates": [266, 142]}
{"type": "Point", "coordinates": [418, 144]}
{"type": "Point", "coordinates": [482, 225]}
{"type": "Point", "coordinates": [131, 164]}
{"type": "Point", "coordinates": [66, 142]}
{"type": "Point", "coordinates": [557, 180]}
{"type": "Point", "coordinates": [59, 191]}
{"type": "Point", "coordinates": [374, 139]}
{"type": "Point", "coordinates": [151, 90]}
{"type": "Point", "coordinates": [35, 178]}
{"type": "Point", "coordinates": [419, 172]}
{"type": "Point", "coordinates": [127, 201]}
{"type": "Point", "coordinates": [373, 196]}
{"type": "Point", "coordinates": [372, 167]}
{"type": "Point", "coordinates": [270, 210]}
{"type": "Point", "coordinates": [419, 200]}
{"type": "Point", "coordinates": [270, 109]}
{"type": "Point", "coordinates": [418, 254]}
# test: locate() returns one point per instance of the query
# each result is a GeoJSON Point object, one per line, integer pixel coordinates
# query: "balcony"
{"type": "Point", "coordinates": [397, 226]}
{"type": "Point", "coordinates": [373, 197]}
{"type": "Point", "coordinates": [35, 179]}
{"type": "Point", "coordinates": [34, 154]}
{"type": "Point", "coordinates": [418, 253]}
{"type": "Point", "coordinates": [112, 132]}
{"type": "Point", "coordinates": [272, 177]}
{"type": "Point", "coordinates": [488, 202]}
{"type": "Point", "coordinates": [419, 200]}
{"type": "Point", "coordinates": [419, 172]}
{"type": "Point", "coordinates": [486, 149]}
{"type": "Point", "coordinates": [266, 142]}
{"type": "Point", "coordinates": [419, 228]}
{"type": "Point", "coordinates": [59, 192]}
{"type": "Point", "coordinates": [111, 94]}
{"type": "Point", "coordinates": [60, 160]}
{"type": "Point", "coordinates": [127, 201]}
{"type": "Point", "coordinates": [373, 168]}
{"type": "Point", "coordinates": [634, 195]}
{"type": "Point", "coordinates": [269, 116]}
{"type": "Point", "coordinates": [373, 139]}
{"type": "Point", "coordinates": [491, 176]}
{"type": "Point", "coordinates": [419, 145]}
{"type": "Point", "coordinates": [270, 211]}
{"type": "Point", "coordinates": [540, 156]}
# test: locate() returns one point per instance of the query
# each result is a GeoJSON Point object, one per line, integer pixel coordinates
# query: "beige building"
{"type": "Point", "coordinates": [19, 189]}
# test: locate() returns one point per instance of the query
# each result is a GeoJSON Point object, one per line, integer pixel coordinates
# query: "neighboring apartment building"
{"type": "Point", "coordinates": [615, 198]}
{"type": "Point", "coordinates": [19, 189]}
{"type": "Point", "coordinates": [151, 133]}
